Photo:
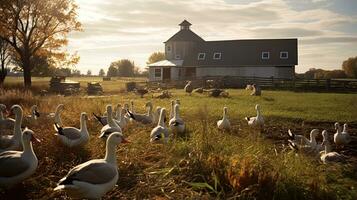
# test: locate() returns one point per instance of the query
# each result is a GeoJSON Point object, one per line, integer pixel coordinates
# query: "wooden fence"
{"type": "Point", "coordinates": [333, 85]}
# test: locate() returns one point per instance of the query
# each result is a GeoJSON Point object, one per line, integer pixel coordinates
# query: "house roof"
{"type": "Point", "coordinates": [246, 52]}
{"type": "Point", "coordinates": [185, 35]}
{"type": "Point", "coordinates": [185, 23]}
{"type": "Point", "coordinates": [167, 63]}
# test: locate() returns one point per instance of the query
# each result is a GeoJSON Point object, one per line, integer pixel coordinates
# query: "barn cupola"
{"type": "Point", "coordinates": [185, 25]}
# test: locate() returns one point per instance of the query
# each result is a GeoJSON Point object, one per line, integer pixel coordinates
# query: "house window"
{"type": "Point", "coordinates": [177, 56]}
{"type": "Point", "coordinates": [158, 73]}
{"type": "Point", "coordinates": [201, 56]}
{"type": "Point", "coordinates": [217, 56]}
{"type": "Point", "coordinates": [168, 48]}
{"type": "Point", "coordinates": [284, 55]}
{"type": "Point", "coordinates": [265, 55]}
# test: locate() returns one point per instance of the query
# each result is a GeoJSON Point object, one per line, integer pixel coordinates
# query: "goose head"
{"type": "Point", "coordinates": [17, 110]}
{"type": "Point", "coordinates": [257, 107]}
{"type": "Point", "coordinates": [126, 106]}
{"type": "Point", "coordinates": [345, 127]}
{"type": "Point", "coordinates": [148, 105]}
{"type": "Point", "coordinates": [29, 136]}
{"type": "Point", "coordinates": [158, 110]}
{"type": "Point", "coordinates": [2, 107]}
{"type": "Point", "coordinates": [109, 109]}
{"type": "Point", "coordinates": [116, 138]}
{"type": "Point", "coordinates": [314, 133]}
{"type": "Point", "coordinates": [325, 137]}
{"type": "Point", "coordinates": [225, 110]}
{"type": "Point", "coordinates": [84, 116]}
{"type": "Point", "coordinates": [177, 101]}
{"type": "Point", "coordinates": [337, 127]}
{"type": "Point", "coordinates": [60, 107]}
{"type": "Point", "coordinates": [34, 111]}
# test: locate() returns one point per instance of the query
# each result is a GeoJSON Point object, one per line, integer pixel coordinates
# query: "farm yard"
{"type": "Point", "coordinates": [204, 163]}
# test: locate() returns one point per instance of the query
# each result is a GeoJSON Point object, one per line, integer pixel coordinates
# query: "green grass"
{"type": "Point", "coordinates": [205, 163]}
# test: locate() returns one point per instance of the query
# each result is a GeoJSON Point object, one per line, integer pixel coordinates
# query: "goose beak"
{"type": "Point", "coordinates": [9, 113]}
{"type": "Point", "coordinates": [125, 141]}
{"type": "Point", "coordinates": [34, 139]}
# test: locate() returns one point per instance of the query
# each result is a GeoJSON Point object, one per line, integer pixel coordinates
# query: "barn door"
{"type": "Point", "coordinates": [166, 75]}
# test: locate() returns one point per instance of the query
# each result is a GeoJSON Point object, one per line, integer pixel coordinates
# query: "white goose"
{"type": "Point", "coordinates": [147, 118]}
{"type": "Point", "coordinates": [327, 156]}
{"type": "Point", "coordinates": [177, 125]}
{"type": "Point", "coordinates": [302, 140]}
{"type": "Point", "coordinates": [341, 138]}
{"type": "Point", "coordinates": [126, 115]}
{"type": "Point", "coordinates": [104, 119]}
{"type": "Point", "coordinates": [15, 166]}
{"type": "Point", "coordinates": [57, 115]}
{"type": "Point", "coordinates": [5, 123]}
{"type": "Point", "coordinates": [257, 121]}
{"type": "Point", "coordinates": [71, 136]}
{"type": "Point", "coordinates": [120, 118]}
{"type": "Point", "coordinates": [94, 178]}
{"type": "Point", "coordinates": [160, 133]}
{"type": "Point", "coordinates": [224, 123]}
{"type": "Point", "coordinates": [34, 113]}
{"type": "Point", "coordinates": [172, 109]}
{"type": "Point", "coordinates": [13, 142]}
{"type": "Point", "coordinates": [157, 114]}
{"type": "Point", "coordinates": [112, 126]}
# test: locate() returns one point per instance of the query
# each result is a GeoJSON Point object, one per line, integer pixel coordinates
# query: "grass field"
{"type": "Point", "coordinates": [205, 163]}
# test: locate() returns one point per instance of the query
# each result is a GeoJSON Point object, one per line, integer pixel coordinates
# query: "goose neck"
{"type": "Point", "coordinates": [18, 122]}
{"type": "Point", "coordinates": [83, 125]}
{"type": "Point", "coordinates": [1, 115]}
{"type": "Point", "coordinates": [161, 119]}
{"type": "Point", "coordinates": [110, 154]}
{"type": "Point", "coordinates": [28, 149]}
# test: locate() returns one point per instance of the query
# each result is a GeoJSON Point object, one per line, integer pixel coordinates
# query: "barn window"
{"type": "Point", "coordinates": [158, 73]}
{"type": "Point", "coordinates": [217, 56]}
{"type": "Point", "coordinates": [265, 55]}
{"type": "Point", "coordinates": [201, 56]}
{"type": "Point", "coordinates": [284, 55]}
{"type": "Point", "coordinates": [168, 48]}
{"type": "Point", "coordinates": [177, 56]}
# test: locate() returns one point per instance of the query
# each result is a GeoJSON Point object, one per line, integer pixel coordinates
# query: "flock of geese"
{"type": "Point", "coordinates": [92, 179]}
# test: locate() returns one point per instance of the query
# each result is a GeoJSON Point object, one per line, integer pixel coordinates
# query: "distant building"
{"type": "Point", "coordinates": [188, 56]}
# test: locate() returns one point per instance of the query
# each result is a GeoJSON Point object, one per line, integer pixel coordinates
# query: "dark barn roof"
{"type": "Point", "coordinates": [248, 52]}
{"type": "Point", "coordinates": [185, 35]}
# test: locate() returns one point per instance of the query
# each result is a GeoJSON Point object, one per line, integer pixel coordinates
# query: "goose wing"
{"type": "Point", "coordinates": [142, 118]}
{"type": "Point", "coordinates": [107, 130]}
{"type": "Point", "coordinates": [12, 164]}
{"type": "Point", "coordinates": [69, 132]}
{"type": "Point", "coordinates": [93, 172]}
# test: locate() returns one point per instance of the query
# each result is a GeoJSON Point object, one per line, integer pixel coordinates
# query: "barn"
{"type": "Point", "coordinates": [188, 56]}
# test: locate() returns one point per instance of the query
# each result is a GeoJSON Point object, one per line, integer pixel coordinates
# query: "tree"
{"type": "Point", "coordinates": [101, 72]}
{"type": "Point", "coordinates": [156, 57]}
{"type": "Point", "coordinates": [89, 73]}
{"type": "Point", "coordinates": [123, 68]}
{"type": "Point", "coordinates": [37, 27]}
{"type": "Point", "coordinates": [4, 60]}
{"type": "Point", "coordinates": [76, 72]}
{"type": "Point", "coordinates": [112, 70]}
{"type": "Point", "coordinates": [350, 67]}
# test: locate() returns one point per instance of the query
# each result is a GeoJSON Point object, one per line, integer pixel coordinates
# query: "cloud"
{"type": "Point", "coordinates": [134, 29]}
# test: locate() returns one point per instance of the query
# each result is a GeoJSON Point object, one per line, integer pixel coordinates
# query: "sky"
{"type": "Point", "coordinates": [118, 29]}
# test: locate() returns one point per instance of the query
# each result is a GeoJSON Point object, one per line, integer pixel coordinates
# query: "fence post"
{"type": "Point", "coordinates": [328, 84]}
